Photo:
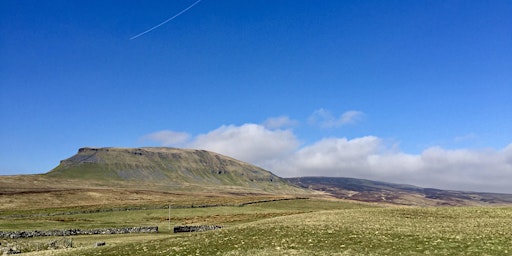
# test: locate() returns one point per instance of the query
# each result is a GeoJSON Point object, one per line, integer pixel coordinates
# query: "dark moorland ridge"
{"type": "Point", "coordinates": [383, 192]}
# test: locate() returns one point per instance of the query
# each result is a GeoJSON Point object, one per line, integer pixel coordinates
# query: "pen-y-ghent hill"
{"type": "Point", "coordinates": [135, 176]}
{"type": "Point", "coordinates": [167, 168]}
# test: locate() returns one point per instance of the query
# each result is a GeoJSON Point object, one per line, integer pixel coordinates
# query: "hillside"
{"type": "Point", "coordinates": [166, 168]}
{"type": "Point", "coordinates": [126, 177]}
{"type": "Point", "coordinates": [401, 194]}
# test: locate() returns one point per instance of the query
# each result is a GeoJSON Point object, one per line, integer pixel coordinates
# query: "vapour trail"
{"type": "Point", "coordinates": [167, 20]}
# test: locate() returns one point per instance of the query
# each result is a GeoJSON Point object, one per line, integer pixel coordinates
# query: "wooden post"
{"type": "Point", "coordinates": [169, 217]}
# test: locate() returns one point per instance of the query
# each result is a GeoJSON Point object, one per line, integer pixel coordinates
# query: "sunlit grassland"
{"type": "Point", "coordinates": [180, 215]}
{"type": "Point", "coordinates": [226, 216]}
{"type": "Point", "coordinates": [389, 231]}
{"type": "Point", "coordinates": [303, 227]}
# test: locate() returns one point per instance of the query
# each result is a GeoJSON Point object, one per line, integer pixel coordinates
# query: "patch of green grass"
{"type": "Point", "coordinates": [222, 215]}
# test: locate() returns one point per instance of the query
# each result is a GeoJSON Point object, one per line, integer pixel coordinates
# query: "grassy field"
{"type": "Point", "coordinates": [292, 227]}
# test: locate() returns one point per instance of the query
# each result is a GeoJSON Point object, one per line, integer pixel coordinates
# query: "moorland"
{"type": "Point", "coordinates": [259, 212]}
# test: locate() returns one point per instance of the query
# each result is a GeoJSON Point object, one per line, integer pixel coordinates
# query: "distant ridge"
{"type": "Point", "coordinates": [162, 166]}
{"type": "Point", "coordinates": [401, 194]}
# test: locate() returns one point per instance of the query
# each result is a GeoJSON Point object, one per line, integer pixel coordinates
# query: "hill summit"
{"type": "Point", "coordinates": [169, 167]}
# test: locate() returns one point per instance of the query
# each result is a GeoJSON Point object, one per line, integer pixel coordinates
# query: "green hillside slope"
{"type": "Point", "coordinates": [170, 167]}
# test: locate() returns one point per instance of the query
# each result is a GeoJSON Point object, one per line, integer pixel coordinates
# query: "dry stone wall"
{"type": "Point", "coordinates": [74, 232]}
{"type": "Point", "coordinates": [179, 229]}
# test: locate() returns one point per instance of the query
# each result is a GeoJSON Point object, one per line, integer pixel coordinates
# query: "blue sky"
{"type": "Point", "coordinates": [404, 91]}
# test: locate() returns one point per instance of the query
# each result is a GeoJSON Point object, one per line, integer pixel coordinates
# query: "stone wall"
{"type": "Point", "coordinates": [122, 209]}
{"type": "Point", "coordinates": [179, 229]}
{"type": "Point", "coordinates": [74, 232]}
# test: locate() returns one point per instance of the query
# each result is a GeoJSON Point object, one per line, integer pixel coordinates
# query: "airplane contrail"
{"type": "Point", "coordinates": [167, 20]}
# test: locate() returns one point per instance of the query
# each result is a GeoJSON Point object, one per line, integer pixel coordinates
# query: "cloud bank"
{"type": "Point", "coordinates": [252, 143]}
{"type": "Point", "coordinates": [369, 157]}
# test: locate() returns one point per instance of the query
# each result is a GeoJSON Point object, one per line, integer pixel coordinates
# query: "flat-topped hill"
{"type": "Point", "coordinates": [170, 167]}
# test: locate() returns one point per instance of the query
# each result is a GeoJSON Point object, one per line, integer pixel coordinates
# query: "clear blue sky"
{"type": "Point", "coordinates": [412, 77]}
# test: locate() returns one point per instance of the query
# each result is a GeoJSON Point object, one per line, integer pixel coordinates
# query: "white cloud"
{"type": "Point", "coordinates": [507, 152]}
{"type": "Point", "coordinates": [279, 122]}
{"type": "Point", "coordinates": [369, 157]}
{"type": "Point", "coordinates": [468, 169]}
{"type": "Point", "coordinates": [249, 142]}
{"type": "Point", "coordinates": [331, 157]}
{"type": "Point", "coordinates": [325, 119]}
{"type": "Point", "coordinates": [350, 117]}
{"type": "Point", "coordinates": [167, 137]}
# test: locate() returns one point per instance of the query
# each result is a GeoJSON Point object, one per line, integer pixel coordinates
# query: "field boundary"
{"type": "Point", "coordinates": [76, 232]}
{"type": "Point", "coordinates": [143, 208]}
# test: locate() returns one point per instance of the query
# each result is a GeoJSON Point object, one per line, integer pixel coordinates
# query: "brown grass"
{"type": "Point", "coordinates": [29, 192]}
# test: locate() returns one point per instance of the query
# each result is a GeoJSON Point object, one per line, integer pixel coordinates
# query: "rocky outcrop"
{"type": "Point", "coordinates": [75, 232]}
